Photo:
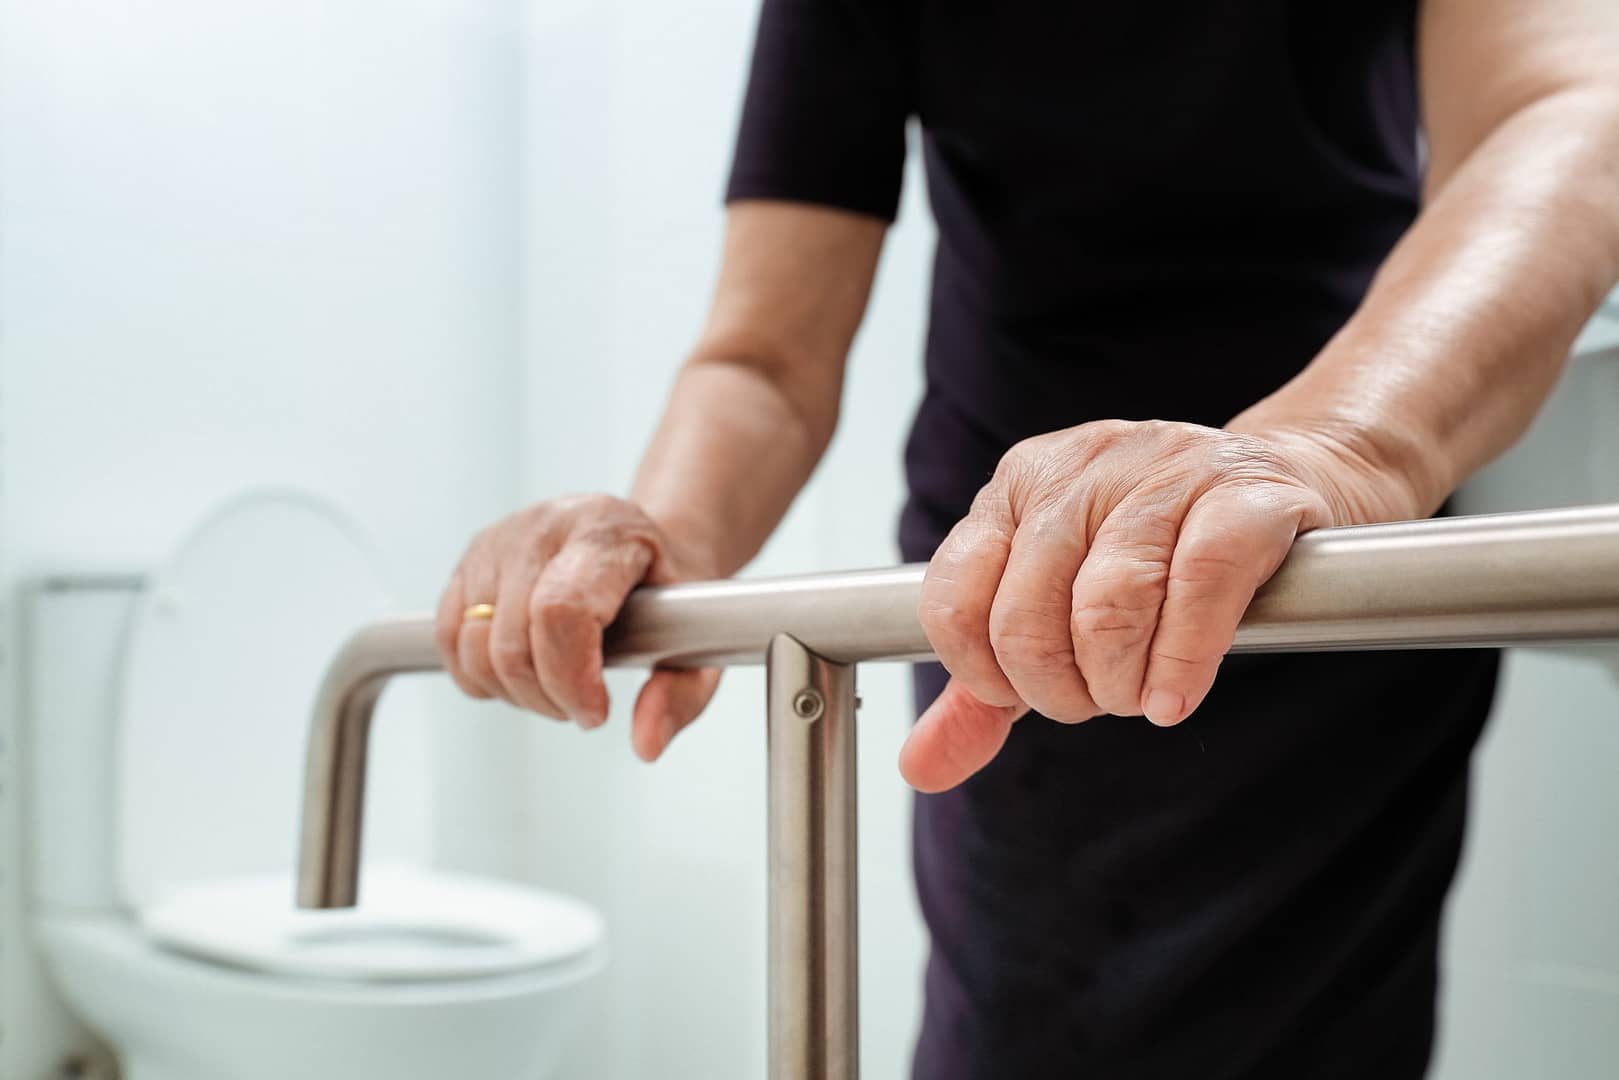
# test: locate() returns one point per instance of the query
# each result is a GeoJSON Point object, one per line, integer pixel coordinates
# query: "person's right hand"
{"type": "Point", "coordinates": [557, 574]}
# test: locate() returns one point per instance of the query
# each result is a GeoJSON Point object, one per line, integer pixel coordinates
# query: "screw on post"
{"type": "Point", "coordinates": [808, 704]}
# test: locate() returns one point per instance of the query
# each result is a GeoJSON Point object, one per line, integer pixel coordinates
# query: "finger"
{"type": "Point", "coordinates": [955, 737]}
{"type": "Point", "coordinates": [1229, 545]}
{"type": "Point", "coordinates": [481, 583]}
{"type": "Point", "coordinates": [668, 702]}
{"type": "Point", "coordinates": [511, 649]}
{"type": "Point", "coordinates": [1029, 620]}
{"type": "Point", "coordinates": [1117, 596]}
{"type": "Point", "coordinates": [447, 634]}
{"type": "Point", "coordinates": [576, 596]}
{"type": "Point", "coordinates": [958, 592]}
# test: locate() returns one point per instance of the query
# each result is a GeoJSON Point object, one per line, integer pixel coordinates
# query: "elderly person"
{"type": "Point", "coordinates": [1209, 275]}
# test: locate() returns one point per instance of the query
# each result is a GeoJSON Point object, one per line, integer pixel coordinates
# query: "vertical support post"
{"type": "Point", "coordinates": [814, 951]}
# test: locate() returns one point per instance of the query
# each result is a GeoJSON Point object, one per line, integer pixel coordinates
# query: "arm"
{"type": "Point", "coordinates": [1469, 322]}
{"type": "Point", "coordinates": [1121, 594]}
{"type": "Point", "coordinates": [754, 407]}
{"type": "Point", "coordinates": [751, 412]}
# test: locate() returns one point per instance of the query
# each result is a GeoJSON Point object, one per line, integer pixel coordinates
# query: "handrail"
{"type": "Point", "coordinates": [1505, 579]}
{"type": "Point", "coordinates": [1496, 579]}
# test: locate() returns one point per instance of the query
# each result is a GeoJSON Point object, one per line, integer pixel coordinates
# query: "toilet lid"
{"type": "Point", "coordinates": [411, 925]}
{"type": "Point", "coordinates": [221, 668]}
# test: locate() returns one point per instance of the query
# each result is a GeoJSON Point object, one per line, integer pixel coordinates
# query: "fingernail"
{"type": "Point", "coordinates": [1163, 707]}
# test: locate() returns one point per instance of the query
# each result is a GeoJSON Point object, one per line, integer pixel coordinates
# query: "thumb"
{"type": "Point", "coordinates": [956, 736]}
{"type": "Point", "coordinates": [668, 702]}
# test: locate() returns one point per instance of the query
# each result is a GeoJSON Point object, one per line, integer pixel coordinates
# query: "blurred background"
{"type": "Point", "coordinates": [436, 259]}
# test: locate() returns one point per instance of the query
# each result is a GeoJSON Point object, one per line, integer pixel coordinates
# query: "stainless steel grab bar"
{"type": "Point", "coordinates": [1501, 579]}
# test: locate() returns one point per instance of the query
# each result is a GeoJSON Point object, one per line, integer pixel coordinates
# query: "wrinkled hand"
{"type": "Point", "coordinates": [557, 574]}
{"type": "Point", "coordinates": [1105, 568]}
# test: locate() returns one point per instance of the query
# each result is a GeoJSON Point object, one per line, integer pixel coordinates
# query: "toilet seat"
{"type": "Point", "coordinates": [411, 925]}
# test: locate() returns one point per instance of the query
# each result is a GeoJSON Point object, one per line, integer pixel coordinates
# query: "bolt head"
{"type": "Point", "coordinates": [808, 704]}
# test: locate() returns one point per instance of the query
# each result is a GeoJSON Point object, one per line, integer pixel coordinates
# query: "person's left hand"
{"type": "Point", "coordinates": [1105, 568]}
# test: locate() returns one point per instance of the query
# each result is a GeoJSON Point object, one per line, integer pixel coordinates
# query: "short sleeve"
{"type": "Point", "coordinates": [828, 96]}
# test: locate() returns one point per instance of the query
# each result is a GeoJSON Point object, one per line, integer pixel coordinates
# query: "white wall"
{"type": "Point", "coordinates": [245, 244]}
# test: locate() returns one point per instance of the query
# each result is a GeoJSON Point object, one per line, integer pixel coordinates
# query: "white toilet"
{"type": "Point", "coordinates": [169, 716]}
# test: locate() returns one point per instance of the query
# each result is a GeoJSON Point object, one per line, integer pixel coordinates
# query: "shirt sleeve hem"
{"type": "Point", "coordinates": [743, 186]}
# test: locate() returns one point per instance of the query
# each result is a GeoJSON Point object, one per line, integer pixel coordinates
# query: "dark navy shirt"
{"type": "Point", "coordinates": [1148, 210]}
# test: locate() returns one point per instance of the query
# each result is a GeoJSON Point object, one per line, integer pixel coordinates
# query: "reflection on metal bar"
{"type": "Point", "coordinates": [814, 1002]}
{"type": "Point", "coordinates": [1496, 580]}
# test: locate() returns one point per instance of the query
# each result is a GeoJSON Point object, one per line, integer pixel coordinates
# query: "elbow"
{"type": "Point", "coordinates": [805, 389]}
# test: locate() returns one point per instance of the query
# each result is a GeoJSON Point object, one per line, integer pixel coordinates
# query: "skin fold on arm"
{"type": "Point", "coordinates": [1105, 568]}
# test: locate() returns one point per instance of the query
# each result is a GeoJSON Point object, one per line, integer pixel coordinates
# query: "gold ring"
{"type": "Point", "coordinates": [478, 611]}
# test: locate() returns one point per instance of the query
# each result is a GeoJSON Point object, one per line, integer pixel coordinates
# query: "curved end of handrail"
{"type": "Point", "coordinates": [339, 735]}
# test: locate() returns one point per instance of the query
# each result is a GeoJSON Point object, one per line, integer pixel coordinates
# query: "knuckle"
{"type": "Point", "coordinates": [598, 532]}
{"type": "Point", "coordinates": [593, 506]}
{"type": "Point", "coordinates": [608, 535]}
{"type": "Point", "coordinates": [1122, 618]}
{"type": "Point", "coordinates": [482, 546]}
{"type": "Point", "coordinates": [1105, 434]}
{"type": "Point", "coordinates": [553, 609]}
{"type": "Point", "coordinates": [1028, 467]}
{"type": "Point", "coordinates": [1206, 565]}
{"type": "Point", "coordinates": [948, 627]}
{"type": "Point", "coordinates": [1015, 459]}
{"type": "Point", "coordinates": [1179, 663]}
{"type": "Point", "coordinates": [524, 527]}
{"type": "Point", "coordinates": [1120, 704]}
{"type": "Point", "coordinates": [447, 637]}
{"type": "Point", "coordinates": [1023, 469]}
{"type": "Point", "coordinates": [1113, 619]}
{"type": "Point", "coordinates": [510, 658]}
{"type": "Point", "coordinates": [478, 666]}
{"type": "Point", "coordinates": [470, 688]}
{"type": "Point", "coordinates": [446, 625]}
{"type": "Point", "coordinates": [1029, 652]}
{"type": "Point", "coordinates": [1064, 707]}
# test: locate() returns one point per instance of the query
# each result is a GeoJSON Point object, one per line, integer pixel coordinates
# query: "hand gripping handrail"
{"type": "Point", "coordinates": [1507, 579]}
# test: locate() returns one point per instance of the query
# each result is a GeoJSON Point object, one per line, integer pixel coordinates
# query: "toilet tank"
{"type": "Point", "coordinates": [74, 635]}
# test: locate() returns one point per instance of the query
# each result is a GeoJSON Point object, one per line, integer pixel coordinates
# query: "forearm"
{"type": "Point", "coordinates": [755, 406]}
{"type": "Point", "coordinates": [1467, 325]}
{"type": "Point", "coordinates": [731, 453]}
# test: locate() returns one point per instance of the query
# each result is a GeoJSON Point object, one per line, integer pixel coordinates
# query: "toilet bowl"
{"type": "Point", "coordinates": [168, 719]}
{"type": "Point", "coordinates": [422, 993]}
